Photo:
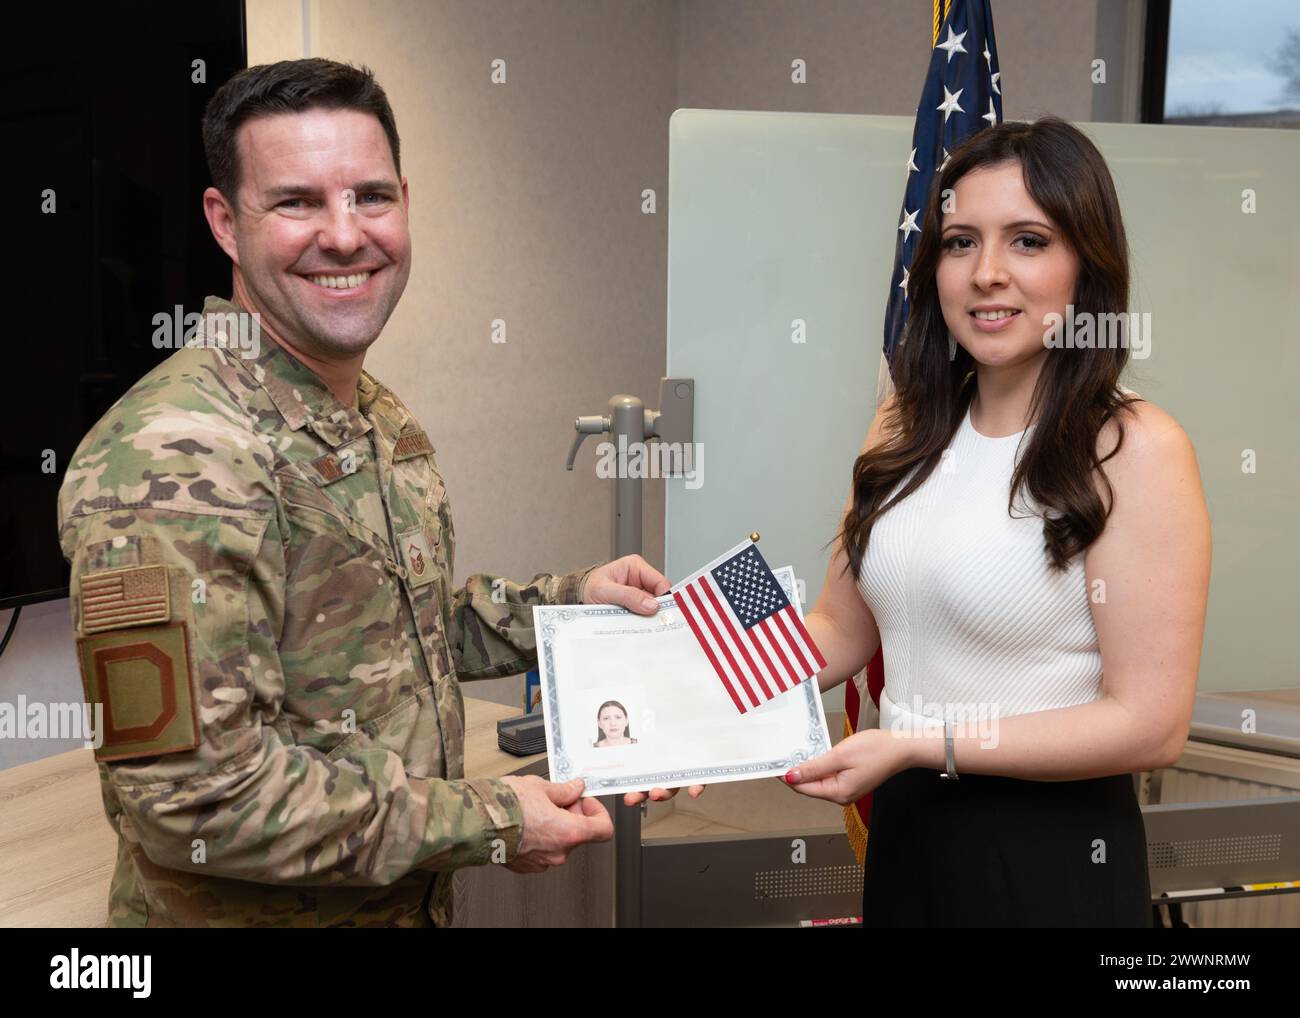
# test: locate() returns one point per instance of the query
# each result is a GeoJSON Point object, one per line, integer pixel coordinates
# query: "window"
{"type": "Point", "coordinates": [1222, 64]}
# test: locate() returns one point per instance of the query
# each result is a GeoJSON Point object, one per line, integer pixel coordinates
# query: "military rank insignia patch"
{"type": "Point", "coordinates": [417, 556]}
{"type": "Point", "coordinates": [142, 677]}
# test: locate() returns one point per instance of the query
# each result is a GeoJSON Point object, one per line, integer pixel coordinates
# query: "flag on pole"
{"type": "Point", "coordinates": [962, 95]}
{"type": "Point", "coordinates": [747, 627]}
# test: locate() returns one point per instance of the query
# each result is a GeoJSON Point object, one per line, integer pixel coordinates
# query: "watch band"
{"type": "Point", "coordinates": [949, 761]}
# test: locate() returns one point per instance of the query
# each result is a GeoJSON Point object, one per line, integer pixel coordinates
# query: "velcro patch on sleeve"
{"type": "Point", "coordinates": [413, 443]}
{"type": "Point", "coordinates": [122, 598]}
{"type": "Point", "coordinates": [142, 677]}
{"type": "Point", "coordinates": [115, 553]}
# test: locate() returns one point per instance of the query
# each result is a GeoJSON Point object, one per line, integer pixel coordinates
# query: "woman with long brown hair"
{"type": "Point", "coordinates": [1030, 541]}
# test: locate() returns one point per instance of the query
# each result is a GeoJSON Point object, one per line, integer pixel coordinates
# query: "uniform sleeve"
{"type": "Point", "coordinates": [226, 792]}
{"type": "Point", "coordinates": [492, 620]}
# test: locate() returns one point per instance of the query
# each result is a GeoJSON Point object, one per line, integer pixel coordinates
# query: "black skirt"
{"type": "Point", "coordinates": [987, 850]}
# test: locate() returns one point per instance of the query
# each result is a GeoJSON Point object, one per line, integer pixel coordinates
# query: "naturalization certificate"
{"type": "Point", "coordinates": [631, 703]}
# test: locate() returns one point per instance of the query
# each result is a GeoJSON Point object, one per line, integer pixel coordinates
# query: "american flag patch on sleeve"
{"type": "Point", "coordinates": [121, 598]}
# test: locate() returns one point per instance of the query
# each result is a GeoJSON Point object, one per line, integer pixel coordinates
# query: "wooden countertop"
{"type": "Point", "coordinates": [1286, 697]}
{"type": "Point", "coordinates": [58, 850]}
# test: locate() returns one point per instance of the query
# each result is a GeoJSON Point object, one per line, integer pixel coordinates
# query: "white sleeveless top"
{"type": "Point", "coordinates": [973, 620]}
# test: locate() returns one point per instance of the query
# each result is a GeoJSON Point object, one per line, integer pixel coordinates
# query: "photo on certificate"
{"type": "Point", "coordinates": [632, 703]}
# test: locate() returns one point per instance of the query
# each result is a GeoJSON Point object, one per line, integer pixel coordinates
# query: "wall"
{"type": "Point", "coordinates": [526, 207]}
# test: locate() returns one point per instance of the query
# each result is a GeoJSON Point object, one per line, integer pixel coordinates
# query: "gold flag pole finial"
{"type": "Point", "coordinates": [753, 535]}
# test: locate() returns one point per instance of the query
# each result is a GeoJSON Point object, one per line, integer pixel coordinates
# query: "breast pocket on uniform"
{"type": "Point", "coordinates": [343, 646]}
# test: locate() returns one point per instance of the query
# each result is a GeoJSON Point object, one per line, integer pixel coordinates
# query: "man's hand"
{"type": "Point", "coordinates": [625, 582]}
{"type": "Point", "coordinates": [556, 821]}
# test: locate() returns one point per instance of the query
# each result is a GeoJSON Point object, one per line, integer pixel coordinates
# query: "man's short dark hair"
{"type": "Point", "coordinates": [290, 86]}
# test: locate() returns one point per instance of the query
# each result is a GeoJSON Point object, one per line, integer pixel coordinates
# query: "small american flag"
{"type": "Point", "coordinates": [751, 633]}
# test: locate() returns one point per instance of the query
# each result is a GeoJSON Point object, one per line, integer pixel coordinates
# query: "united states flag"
{"type": "Point", "coordinates": [750, 632]}
{"type": "Point", "coordinates": [962, 95]}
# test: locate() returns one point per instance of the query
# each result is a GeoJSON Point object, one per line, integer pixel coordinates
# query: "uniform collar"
{"type": "Point", "coordinates": [369, 389]}
{"type": "Point", "coordinates": [301, 395]}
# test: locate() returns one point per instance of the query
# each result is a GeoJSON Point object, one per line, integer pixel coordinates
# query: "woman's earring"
{"type": "Point", "coordinates": [952, 346]}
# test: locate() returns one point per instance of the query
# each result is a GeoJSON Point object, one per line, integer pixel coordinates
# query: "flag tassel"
{"type": "Point", "coordinates": [854, 828]}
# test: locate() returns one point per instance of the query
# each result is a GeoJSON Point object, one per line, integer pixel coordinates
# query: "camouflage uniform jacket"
{"type": "Point", "coordinates": [262, 598]}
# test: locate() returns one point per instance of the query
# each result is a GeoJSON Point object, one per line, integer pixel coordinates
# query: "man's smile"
{"type": "Point", "coordinates": [349, 284]}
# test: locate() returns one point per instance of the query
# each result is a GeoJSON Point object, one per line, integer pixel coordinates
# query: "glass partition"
{"type": "Point", "coordinates": [781, 239]}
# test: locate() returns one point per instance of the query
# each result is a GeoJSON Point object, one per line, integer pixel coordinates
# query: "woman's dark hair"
{"type": "Point", "coordinates": [290, 86]}
{"type": "Point", "coordinates": [627, 729]}
{"type": "Point", "coordinates": [1076, 391]}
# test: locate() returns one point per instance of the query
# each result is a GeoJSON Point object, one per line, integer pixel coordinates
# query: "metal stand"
{"type": "Point", "coordinates": [630, 426]}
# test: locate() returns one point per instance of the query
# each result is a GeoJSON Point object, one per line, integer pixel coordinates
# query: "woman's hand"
{"type": "Point", "coordinates": [859, 764]}
{"type": "Point", "coordinates": [659, 795]}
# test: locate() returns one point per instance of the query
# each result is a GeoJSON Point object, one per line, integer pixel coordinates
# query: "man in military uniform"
{"type": "Point", "coordinates": [262, 556]}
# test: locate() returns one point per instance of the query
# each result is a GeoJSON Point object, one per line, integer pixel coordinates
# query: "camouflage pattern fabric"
{"type": "Point", "coordinates": [308, 553]}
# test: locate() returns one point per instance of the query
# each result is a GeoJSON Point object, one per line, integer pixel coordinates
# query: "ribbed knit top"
{"type": "Point", "coordinates": [969, 608]}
